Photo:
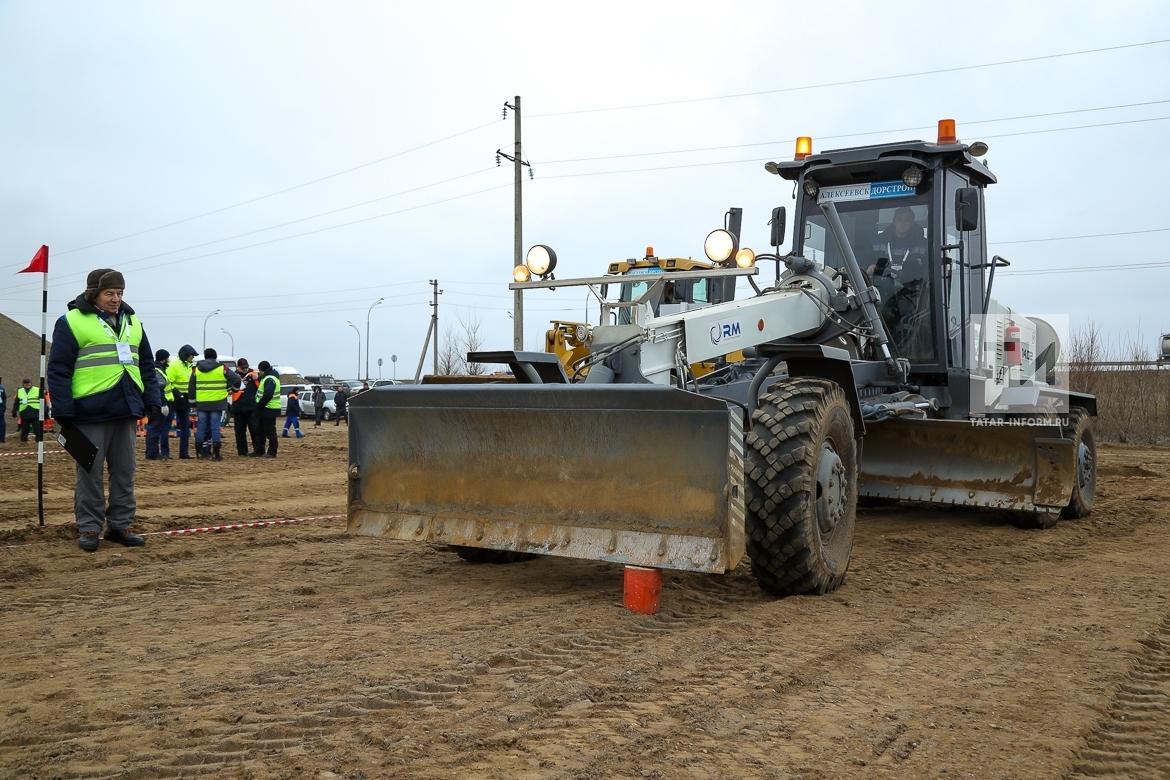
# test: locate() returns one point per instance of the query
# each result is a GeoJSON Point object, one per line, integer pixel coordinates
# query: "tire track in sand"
{"type": "Point", "coordinates": [1133, 740]}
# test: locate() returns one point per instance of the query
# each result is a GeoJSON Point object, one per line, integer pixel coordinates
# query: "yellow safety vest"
{"type": "Point", "coordinates": [165, 385]}
{"type": "Point", "coordinates": [178, 374]}
{"type": "Point", "coordinates": [98, 366]}
{"type": "Point", "coordinates": [28, 399]}
{"type": "Point", "coordinates": [274, 402]}
{"type": "Point", "coordinates": [210, 385]}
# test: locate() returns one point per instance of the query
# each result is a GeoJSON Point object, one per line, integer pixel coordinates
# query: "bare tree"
{"type": "Point", "coordinates": [450, 359]}
{"type": "Point", "coordinates": [471, 341]}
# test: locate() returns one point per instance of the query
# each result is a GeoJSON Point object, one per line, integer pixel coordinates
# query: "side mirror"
{"type": "Point", "coordinates": [777, 223]}
{"type": "Point", "coordinates": [967, 208]}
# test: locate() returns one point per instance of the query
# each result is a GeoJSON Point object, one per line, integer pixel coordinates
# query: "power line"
{"type": "Point", "coordinates": [603, 173]}
{"type": "Point", "coordinates": [1074, 238]}
{"type": "Point", "coordinates": [300, 235]}
{"type": "Point", "coordinates": [1087, 268]}
{"type": "Point", "coordinates": [964, 123]}
{"type": "Point", "coordinates": [765, 159]}
{"type": "Point", "coordinates": [869, 80]}
{"type": "Point", "coordinates": [310, 217]}
{"type": "Point", "coordinates": [278, 192]}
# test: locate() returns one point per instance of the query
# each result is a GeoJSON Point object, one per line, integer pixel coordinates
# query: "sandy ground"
{"type": "Point", "coordinates": [959, 646]}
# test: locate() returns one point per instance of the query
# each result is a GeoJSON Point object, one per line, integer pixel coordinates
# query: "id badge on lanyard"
{"type": "Point", "coordinates": [125, 356]}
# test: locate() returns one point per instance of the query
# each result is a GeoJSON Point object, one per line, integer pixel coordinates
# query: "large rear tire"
{"type": "Point", "coordinates": [483, 555]}
{"type": "Point", "coordinates": [801, 468]}
{"type": "Point", "coordinates": [1080, 429]}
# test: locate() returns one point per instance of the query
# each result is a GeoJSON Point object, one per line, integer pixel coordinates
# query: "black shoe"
{"type": "Point", "coordinates": [184, 457]}
{"type": "Point", "coordinates": [270, 455]}
{"type": "Point", "coordinates": [124, 538]}
{"type": "Point", "coordinates": [256, 455]}
{"type": "Point", "coordinates": [215, 452]}
{"type": "Point", "coordinates": [148, 457]}
{"type": "Point", "coordinates": [88, 541]}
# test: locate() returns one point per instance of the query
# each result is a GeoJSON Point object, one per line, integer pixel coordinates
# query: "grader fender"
{"type": "Point", "coordinates": [634, 474]}
{"type": "Point", "coordinates": [1002, 466]}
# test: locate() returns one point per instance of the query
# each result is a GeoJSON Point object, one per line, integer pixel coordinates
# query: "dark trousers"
{"type": "Point", "coordinates": [268, 434]}
{"type": "Point", "coordinates": [247, 425]}
{"type": "Point", "coordinates": [318, 415]}
{"type": "Point", "coordinates": [343, 412]}
{"type": "Point", "coordinates": [4, 425]}
{"type": "Point", "coordinates": [183, 427]}
{"type": "Point", "coordinates": [158, 436]}
{"type": "Point", "coordinates": [28, 424]}
{"type": "Point", "coordinates": [115, 442]}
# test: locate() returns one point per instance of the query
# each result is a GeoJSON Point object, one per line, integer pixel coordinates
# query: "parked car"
{"type": "Point", "coordinates": [308, 409]}
{"type": "Point", "coordinates": [284, 395]}
{"type": "Point", "coordinates": [354, 385]}
{"type": "Point", "coordinates": [384, 383]}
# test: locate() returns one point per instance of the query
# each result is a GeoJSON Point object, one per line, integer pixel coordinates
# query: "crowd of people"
{"type": "Point", "coordinates": [214, 391]}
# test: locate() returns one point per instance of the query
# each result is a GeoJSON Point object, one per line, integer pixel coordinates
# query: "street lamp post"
{"type": "Point", "coordinates": [230, 336]}
{"type": "Point", "coordinates": [372, 305]}
{"type": "Point", "coordinates": [394, 363]}
{"type": "Point", "coordinates": [359, 335]}
{"type": "Point", "coordinates": [205, 319]}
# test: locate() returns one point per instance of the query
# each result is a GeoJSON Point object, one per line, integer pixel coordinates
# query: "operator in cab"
{"type": "Point", "coordinates": [900, 251]}
{"type": "Point", "coordinates": [900, 272]}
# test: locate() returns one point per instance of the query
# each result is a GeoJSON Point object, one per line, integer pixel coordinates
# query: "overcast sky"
{"type": "Point", "coordinates": [120, 118]}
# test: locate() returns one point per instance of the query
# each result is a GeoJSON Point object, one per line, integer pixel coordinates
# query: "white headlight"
{"type": "Point", "coordinates": [521, 274]}
{"type": "Point", "coordinates": [541, 260]}
{"type": "Point", "coordinates": [719, 246]}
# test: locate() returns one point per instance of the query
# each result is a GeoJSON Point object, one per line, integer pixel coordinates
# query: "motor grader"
{"type": "Point", "coordinates": [876, 367]}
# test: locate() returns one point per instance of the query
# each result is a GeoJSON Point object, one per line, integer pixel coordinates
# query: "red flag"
{"type": "Point", "coordinates": [40, 262]}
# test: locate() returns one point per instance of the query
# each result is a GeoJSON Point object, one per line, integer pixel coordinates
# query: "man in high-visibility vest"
{"type": "Point", "coordinates": [158, 428]}
{"type": "Point", "coordinates": [179, 374]}
{"type": "Point", "coordinates": [102, 377]}
{"type": "Point", "coordinates": [268, 406]}
{"type": "Point", "coordinates": [247, 424]}
{"type": "Point", "coordinates": [210, 384]}
{"type": "Point", "coordinates": [27, 408]}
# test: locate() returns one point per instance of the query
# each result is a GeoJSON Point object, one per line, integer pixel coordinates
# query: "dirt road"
{"type": "Point", "coordinates": [959, 646]}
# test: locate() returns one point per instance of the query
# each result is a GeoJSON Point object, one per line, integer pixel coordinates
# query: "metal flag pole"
{"type": "Point", "coordinates": [40, 264]}
{"type": "Point", "coordinates": [41, 411]}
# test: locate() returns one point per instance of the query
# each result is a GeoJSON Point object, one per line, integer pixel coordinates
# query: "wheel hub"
{"type": "Point", "coordinates": [1085, 465]}
{"type": "Point", "coordinates": [831, 490]}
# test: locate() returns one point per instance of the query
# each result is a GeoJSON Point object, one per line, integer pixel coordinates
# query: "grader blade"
{"type": "Point", "coordinates": [634, 474]}
{"type": "Point", "coordinates": [1002, 466]}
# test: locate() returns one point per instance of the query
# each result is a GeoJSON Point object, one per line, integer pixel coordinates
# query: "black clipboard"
{"type": "Point", "coordinates": [78, 445]}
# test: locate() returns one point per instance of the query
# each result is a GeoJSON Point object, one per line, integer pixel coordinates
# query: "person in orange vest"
{"type": "Point", "coordinates": [245, 419]}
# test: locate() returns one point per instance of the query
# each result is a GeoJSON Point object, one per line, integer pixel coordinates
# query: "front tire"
{"type": "Point", "coordinates": [801, 464]}
{"type": "Point", "coordinates": [1080, 429]}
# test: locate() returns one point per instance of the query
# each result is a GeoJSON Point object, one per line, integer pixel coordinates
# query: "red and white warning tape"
{"type": "Point", "coordinates": [28, 452]}
{"type": "Point", "coordinates": [235, 526]}
{"type": "Point", "coordinates": [187, 531]}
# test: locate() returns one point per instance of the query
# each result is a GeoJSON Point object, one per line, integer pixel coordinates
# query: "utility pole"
{"type": "Point", "coordinates": [435, 293]}
{"type": "Point", "coordinates": [518, 257]}
{"type": "Point", "coordinates": [432, 330]}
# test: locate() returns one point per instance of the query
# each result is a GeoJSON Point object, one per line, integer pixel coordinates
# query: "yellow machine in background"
{"type": "Point", "coordinates": [570, 341]}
